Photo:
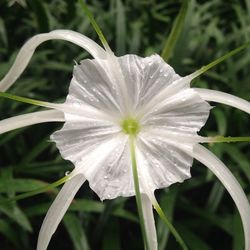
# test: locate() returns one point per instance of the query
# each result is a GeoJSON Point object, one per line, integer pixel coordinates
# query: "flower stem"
{"type": "Point", "coordinates": [94, 24]}
{"type": "Point", "coordinates": [36, 191]}
{"type": "Point", "coordinates": [219, 60]}
{"type": "Point", "coordinates": [137, 191]}
{"type": "Point", "coordinates": [169, 225]}
{"type": "Point", "coordinates": [24, 99]}
{"type": "Point", "coordinates": [220, 139]}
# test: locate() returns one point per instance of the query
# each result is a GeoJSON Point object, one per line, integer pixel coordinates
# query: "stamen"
{"type": "Point", "coordinates": [130, 126]}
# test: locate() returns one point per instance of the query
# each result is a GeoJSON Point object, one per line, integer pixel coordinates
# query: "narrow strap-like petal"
{"type": "Point", "coordinates": [30, 119]}
{"type": "Point", "coordinates": [230, 183]}
{"type": "Point", "coordinates": [29, 47]}
{"type": "Point", "coordinates": [221, 97]}
{"type": "Point", "coordinates": [58, 209]}
{"type": "Point", "coordinates": [149, 222]}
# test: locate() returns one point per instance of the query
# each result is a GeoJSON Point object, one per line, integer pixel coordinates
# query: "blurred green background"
{"type": "Point", "coordinates": [200, 208]}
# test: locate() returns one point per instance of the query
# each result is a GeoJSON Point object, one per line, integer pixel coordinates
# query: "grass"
{"type": "Point", "coordinates": [28, 159]}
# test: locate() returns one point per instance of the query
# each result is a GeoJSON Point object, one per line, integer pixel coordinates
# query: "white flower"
{"type": "Point", "coordinates": [112, 100]}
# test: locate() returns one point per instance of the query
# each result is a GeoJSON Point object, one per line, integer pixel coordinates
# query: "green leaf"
{"type": "Point", "coordinates": [238, 234]}
{"type": "Point", "coordinates": [215, 196]}
{"type": "Point", "coordinates": [76, 231]}
{"type": "Point", "coordinates": [94, 24]}
{"type": "Point", "coordinates": [20, 185]}
{"type": "Point", "coordinates": [238, 157]}
{"type": "Point", "coordinates": [9, 232]}
{"type": "Point", "coordinates": [175, 32]}
{"type": "Point", "coordinates": [111, 237]}
{"type": "Point", "coordinates": [193, 240]}
{"type": "Point", "coordinates": [17, 215]}
{"type": "Point", "coordinates": [168, 199]}
{"type": "Point", "coordinates": [120, 28]}
{"type": "Point", "coordinates": [220, 120]}
{"type": "Point", "coordinates": [40, 14]}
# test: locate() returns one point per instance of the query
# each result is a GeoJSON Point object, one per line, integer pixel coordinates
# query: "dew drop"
{"type": "Point", "coordinates": [161, 70]}
{"type": "Point", "coordinates": [85, 81]}
{"type": "Point", "coordinates": [67, 173]}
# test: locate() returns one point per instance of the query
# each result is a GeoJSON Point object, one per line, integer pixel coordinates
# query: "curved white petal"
{"type": "Point", "coordinates": [149, 222]}
{"type": "Point", "coordinates": [230, 183]}
{"type": "Point", "coordinates": [184, 112]}
{"type": "Point", "coordinates": [160, 162]}
{"type": "Point", "coordinates": [145, 78]}
{"type": "Point", "coordinates": [29, 47]}
{"type": "Point", "coordinates": [100, 152]}
{"type": "Point", "coordinates": [80, 136]}
{"type": "Point", "coordinates": [93, 84]}
{"type": "Point", "coordinates": [58, 209]}
{"type": "Point", "coordinates": [30, 119]}
{"type": "Point", "coordinates": [224, 98]}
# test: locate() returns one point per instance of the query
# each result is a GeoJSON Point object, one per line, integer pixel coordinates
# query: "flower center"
{"type": "Point", "coordinates": [130, 126]}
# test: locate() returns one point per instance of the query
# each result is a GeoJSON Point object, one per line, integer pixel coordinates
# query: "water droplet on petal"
{"type": "Point", "coordinates": [67, 173]}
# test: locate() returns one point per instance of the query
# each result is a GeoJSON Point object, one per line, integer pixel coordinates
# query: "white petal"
{"type": "Point", "coordinates": [29, 47]}
{"type": "Point", "coordinates": [58, 209]}
{"type": "Point", "coordinates": [221, 97]}
{"type": "Point", "coordinates": [184, 112]}
{"type": "Point", "coordinates": [145, 77]}
{"type": "Point", "coordinates": [122, 84]}
{"type": "Point", "coordinates": [93, 84]}
{"type": "Point", "coordinates": [161, 162]}
{"type": "Point", "coordinates": [149, 222]}
{"type": "Point", "coordinates": [30, 119]}
{"type": "Point", "coordinates": [230, 183]}
{"type": "Point", "coordinates": [79, 136]}
{"type": "Point", "coordinates": [100, 152]}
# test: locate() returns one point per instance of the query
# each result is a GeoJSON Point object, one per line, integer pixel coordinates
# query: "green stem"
{"type": "Point", "coordinates": [94, 24]}
{"type": "Point", "coordinates": [36, 191]}
{"type": "Point", "coordinates": [175, 32]}
{"type": "Point", "coordinates": [23, 99]}
{"type": "Point", "coordinates": [219, 60]}
{"type": "Point", "coordinates": [219, 139]}
{"type": "Point", "coordinates": [137, 191]}
{"type": "Point", "coordinates": [169, 225]}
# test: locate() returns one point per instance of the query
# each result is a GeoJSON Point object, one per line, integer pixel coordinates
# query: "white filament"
{"type": "Point", "coordinates": [221, 97]}
{"type": "Point", "coordinates": [29, 47]}
{"type": "Point", "coordinates": [149, 222]}
{"type": "Point", "coordinates": [58, 209]}
{"type": "Point", "coordinates": [30, 119]}
{"type": "Point", "coordinates": [230, 183]}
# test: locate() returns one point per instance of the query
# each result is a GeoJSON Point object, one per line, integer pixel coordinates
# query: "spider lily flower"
{"type": "Point", "coordinates": [120, 111]}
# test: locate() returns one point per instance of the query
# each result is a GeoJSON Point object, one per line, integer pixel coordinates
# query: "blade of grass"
{"type": "Point", "coordinates": [35, 192]}
{"type": "Point", "coordinates": [94, 24]}
{"type": "Point", "coordinates": [205, 68]}
{"type": "Point", "coordinates": [175, 32]}
{"type": "Point", "coordinates": [137, 192]}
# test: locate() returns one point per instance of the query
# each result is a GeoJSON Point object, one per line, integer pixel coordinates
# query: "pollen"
{"type": "Point", "coordinates": [130, 126]}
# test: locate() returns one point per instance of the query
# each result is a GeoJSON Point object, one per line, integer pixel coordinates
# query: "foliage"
{"type": "Point", "coordinates": [201, 210]}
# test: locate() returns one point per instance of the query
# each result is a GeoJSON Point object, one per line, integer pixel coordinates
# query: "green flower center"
{"type": "Point", "coordinates": [130, 126]}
